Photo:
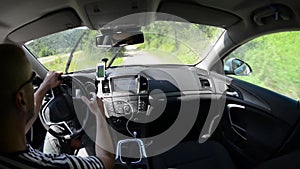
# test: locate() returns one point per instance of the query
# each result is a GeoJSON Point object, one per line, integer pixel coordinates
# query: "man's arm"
{"type": "Point", "coordinates": [51, 80]}
{"type": "Point", "coordinates": [103, 143]}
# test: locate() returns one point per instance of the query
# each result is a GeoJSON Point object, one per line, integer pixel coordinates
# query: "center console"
{"type": "Point", "coordinates": [126, 100]}
{"type": "Point", "coordinates": [125, 95]}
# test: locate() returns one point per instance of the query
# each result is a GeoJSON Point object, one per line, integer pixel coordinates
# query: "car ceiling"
{"type": "Point", "coordinates": [21, 21]}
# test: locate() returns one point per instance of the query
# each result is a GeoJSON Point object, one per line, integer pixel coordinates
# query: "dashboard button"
{"type": "Point", "coordinates": [127, 109]}
{"type": "Point", "coordinates": [120, 110]}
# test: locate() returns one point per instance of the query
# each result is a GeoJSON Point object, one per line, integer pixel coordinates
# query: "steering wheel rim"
{"type": "Point", "coordinates": [71, 132]}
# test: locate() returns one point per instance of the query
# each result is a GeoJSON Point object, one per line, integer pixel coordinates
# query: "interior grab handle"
{"type": "Point", "coordinates": [233, 125]}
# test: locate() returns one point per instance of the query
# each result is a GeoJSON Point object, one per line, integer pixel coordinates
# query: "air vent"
{"type": "Point", "coordinates": [105, 86]}
{"type": "Point", "coordinates": [143, 85]}
{"type": "Point", "coordinates": [232, 92]}
{"type": "Point", "coordinates": [205, 83]}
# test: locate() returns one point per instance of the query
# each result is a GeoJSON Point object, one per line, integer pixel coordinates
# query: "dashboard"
{"type": "Point", "coordinates": [128, 90]}
{"type": "Point", "coordinates": [150, 98]}
{"type": "Point", "coordinates": [143, 102]}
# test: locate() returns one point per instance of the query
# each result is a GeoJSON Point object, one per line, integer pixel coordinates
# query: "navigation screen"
{"type": "Point", "coordinates": [124, 84]}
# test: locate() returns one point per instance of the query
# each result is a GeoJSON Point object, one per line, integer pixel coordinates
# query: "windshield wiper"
{"type": "Point", "coordinates": [115, 56]}
{"type": "Point", "coordinates": [72, 52]}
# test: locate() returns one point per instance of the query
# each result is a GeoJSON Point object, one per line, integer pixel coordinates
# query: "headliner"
{"type": "Point", "coordinates": [233, 15]}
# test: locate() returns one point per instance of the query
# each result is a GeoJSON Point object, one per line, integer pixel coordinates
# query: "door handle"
{"type": "Point", "coordinates": [233, 125]}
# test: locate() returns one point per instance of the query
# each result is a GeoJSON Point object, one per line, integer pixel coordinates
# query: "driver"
{"type": "Point", "coordinates": [20, 107]}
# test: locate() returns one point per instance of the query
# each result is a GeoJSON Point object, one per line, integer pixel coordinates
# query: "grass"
{"type": "Point", "coordinates": [79, 62]}
{"type": "Point", "coordinates": [275, 62]}
{"type": "Point", "coordinates": [58, 62]}
{"type": "Point", "coordinates": [118, 61]}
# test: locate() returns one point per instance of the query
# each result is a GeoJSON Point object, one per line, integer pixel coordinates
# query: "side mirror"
{"type": "Point", "coordinates": [237, 67]}
{"type": "Point", "coordinates": [119, 39]}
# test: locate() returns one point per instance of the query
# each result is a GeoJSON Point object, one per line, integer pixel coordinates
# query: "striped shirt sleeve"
{"type": "Point", "coordinates": [61, 161]}
{"type": "Point", "coordinates": [90, 162]}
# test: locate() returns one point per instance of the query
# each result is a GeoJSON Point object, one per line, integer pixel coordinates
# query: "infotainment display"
{"type": "Point", "coordinates": [123, 84]}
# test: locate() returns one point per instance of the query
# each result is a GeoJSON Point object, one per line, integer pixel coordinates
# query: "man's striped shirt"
{"type": "Point", "coordinates": [34, 159]}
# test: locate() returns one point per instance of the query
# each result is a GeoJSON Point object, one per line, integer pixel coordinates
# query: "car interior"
{"type": "Point", "coordinates": [163, 115]}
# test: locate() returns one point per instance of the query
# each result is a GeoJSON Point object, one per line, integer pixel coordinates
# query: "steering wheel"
{"type": "Point", "coordinates": [59, 117]}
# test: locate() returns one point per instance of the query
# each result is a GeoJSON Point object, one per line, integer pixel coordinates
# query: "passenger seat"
{"type": "Point", "coordinates": [289, 161]}
{"type": "Point", "coordinates": [192, 155]}
{"type": "Point", "coordinates": [212, 155]}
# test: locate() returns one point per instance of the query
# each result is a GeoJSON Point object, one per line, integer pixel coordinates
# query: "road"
{"type": "Point", "coordinates": [134, 56]}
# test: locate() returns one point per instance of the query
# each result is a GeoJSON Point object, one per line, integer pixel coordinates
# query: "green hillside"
{"type": "Point", "coordinates": [275, 61]}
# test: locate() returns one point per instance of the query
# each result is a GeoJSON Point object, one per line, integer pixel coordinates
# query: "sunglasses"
{"type": "Point", "coordinates": [28, 81]}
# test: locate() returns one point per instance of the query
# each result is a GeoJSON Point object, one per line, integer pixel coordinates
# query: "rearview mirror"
{"type": "Point", "coordinates": [237, 67]}
{"type": "Point", "coordinates": [119, 39]}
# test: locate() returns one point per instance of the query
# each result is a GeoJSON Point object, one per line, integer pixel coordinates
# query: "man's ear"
{"type": "Point", "coordinates": [20, 101]}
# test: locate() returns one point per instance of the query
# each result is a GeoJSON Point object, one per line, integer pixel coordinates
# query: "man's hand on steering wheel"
{"type": "Point", "coordinates": [52, 79]}
{"type": "Point", "coordinates": [61, 110]}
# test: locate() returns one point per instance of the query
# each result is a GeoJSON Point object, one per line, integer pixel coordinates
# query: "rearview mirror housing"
{"type": "Point", "coordinates": [234, 66]}
{"type": "Point", "coordinates": [117, 39]}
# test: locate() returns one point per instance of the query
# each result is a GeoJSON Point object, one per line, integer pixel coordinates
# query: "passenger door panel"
{"type": "Point", "coordinates": [257, 121]}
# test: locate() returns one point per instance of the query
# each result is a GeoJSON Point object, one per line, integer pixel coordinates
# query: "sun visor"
{"type": "Point", "coordinates": [104, 12]}
{"type": "Point", "coordinates": [54, 22]}
{"type": "Point", "coordinates": [199, 14]}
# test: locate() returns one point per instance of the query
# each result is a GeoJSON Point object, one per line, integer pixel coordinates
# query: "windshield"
{"type": "Point", "coordinates": [165, 42]}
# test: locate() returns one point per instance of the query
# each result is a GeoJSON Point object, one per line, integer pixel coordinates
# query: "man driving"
{"type": "Point", "coordinates": [19, 109]}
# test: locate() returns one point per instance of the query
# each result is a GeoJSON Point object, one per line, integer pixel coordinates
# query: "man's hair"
{"type": "Point", "coordinates": [10, 49]}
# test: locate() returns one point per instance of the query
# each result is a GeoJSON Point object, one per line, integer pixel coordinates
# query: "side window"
{"type": "Point", "coordinates": [275, 62]}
